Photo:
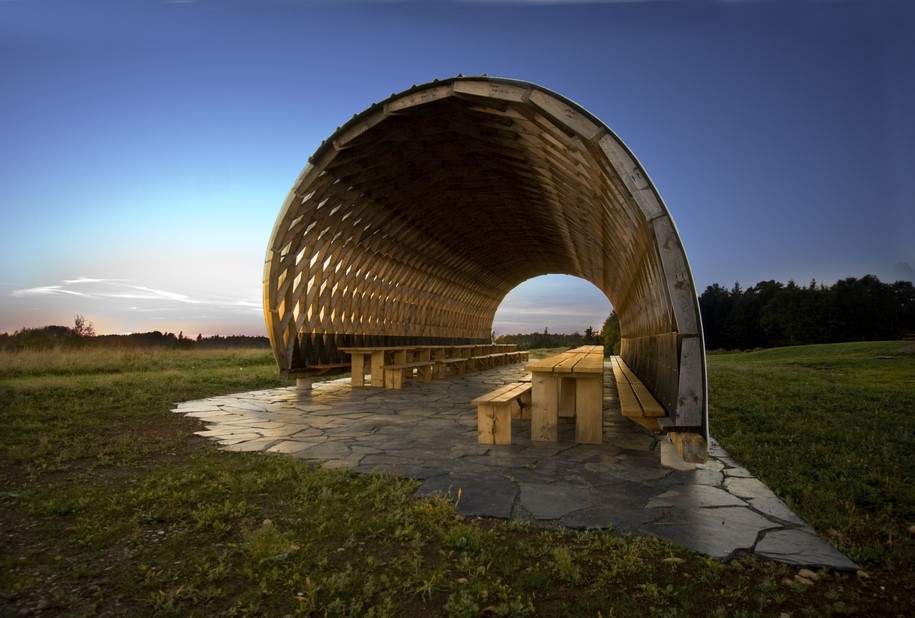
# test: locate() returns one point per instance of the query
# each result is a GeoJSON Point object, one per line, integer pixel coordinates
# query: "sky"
{"type": "Point", "coordinates": [146, 146]}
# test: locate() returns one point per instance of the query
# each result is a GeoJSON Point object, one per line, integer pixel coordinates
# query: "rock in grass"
{"type": "Point", "coordinates": [808, 574]}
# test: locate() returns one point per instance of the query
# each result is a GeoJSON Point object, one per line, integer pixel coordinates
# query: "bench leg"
{"type": "Point", "coordinates": [357, 370]}
{"type": "Point", "coordinates": [378, 378]}
{"type": "Point", "coordinates": [393, 378]}
{"type": "Point", "coordinates": [522, 409]}
{"type": "Point", "coordinates": [425, 373]}
{"type": "Point", "coordinates": [494, 423]}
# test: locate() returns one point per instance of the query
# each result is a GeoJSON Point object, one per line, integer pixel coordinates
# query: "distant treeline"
{"type": "Point", "coordinates": [771, 314]}
{"type": "Point", "coordinates": [532, 341]}
{"type": "Point", "coordinates": [63, 336]}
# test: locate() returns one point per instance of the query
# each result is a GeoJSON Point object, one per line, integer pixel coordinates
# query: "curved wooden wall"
{"type": "Point", "coordinates": [414, 220]}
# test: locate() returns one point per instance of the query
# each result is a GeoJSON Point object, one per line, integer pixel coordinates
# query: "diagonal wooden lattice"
{"type": "Point", "coordinates": [417, 217]}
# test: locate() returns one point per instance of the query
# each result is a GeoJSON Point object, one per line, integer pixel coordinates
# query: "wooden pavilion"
{"type": "Point", "coordinates": [412, 222]}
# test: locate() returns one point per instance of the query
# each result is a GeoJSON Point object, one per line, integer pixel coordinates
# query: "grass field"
{"type": "Point", "coordinates": [109, 505]}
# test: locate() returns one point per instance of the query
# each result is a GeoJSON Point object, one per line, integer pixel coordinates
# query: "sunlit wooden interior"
{"type": "Point", "coordinates": [412, 222]}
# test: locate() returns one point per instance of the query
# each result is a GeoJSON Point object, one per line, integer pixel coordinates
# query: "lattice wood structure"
{"type": "Point", "coordinates": [412, 222]}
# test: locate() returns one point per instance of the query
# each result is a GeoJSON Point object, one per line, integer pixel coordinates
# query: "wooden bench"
{"type": "Point", "coordinates": [636, 402]}
{"type": "Point", "coordinates": [496, 409]}
{"type": "Point", "coordinates": [458, 366]}
{"type": "Point", "coordinates": [490, 361]}
{"type": "Point", "coordinates": [394, 375]}
{"type": "Point", "coordinates": [639, 405]}
{"type": "Point", "coordinates": [304, 376]}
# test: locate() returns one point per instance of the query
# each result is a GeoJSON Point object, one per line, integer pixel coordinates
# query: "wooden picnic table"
{"type": "Point", "coordinates": [378, 357]}
{"type": "Point", "coordinates": [568, 384]}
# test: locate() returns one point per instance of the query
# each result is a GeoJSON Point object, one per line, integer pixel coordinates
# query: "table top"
{"type": "Point", "coordinates": [586, 359]}
{"type": "Point", "coordinates": [365, 349]}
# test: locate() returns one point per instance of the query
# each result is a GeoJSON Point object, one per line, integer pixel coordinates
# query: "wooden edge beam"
{"type": "Point", "coordinates": [692, 447]}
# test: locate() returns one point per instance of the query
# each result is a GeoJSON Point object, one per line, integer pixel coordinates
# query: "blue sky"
{"type": "Point", "coordinates": [146, 146]}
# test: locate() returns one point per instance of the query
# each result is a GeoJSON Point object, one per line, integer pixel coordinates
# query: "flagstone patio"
{"type": "Point", "coordinates": [633, 481]}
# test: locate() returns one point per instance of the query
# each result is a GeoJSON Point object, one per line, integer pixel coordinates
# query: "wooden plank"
{"type": "Point", "coordinates": [691, 405]}
{"type": "Point", "coordinates": [629, 403]}
{"type": "Point", "coordinates": [357, 368]}
{"type": "Point", "coordinates": [589, 411]}
{"type": "Point", "coordinates": [650, 405]}
{"type": "Point", "coordinates": [498, 394]}
{"type": "Point", "coordinates": [377, 367]}
{"type": "Point", "coordinates": [485, 427]}
{"type": "Point", "coordinates": [544, 414]}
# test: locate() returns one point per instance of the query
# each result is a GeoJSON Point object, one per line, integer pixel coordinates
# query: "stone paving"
{"type": "Point", "coordinates": [634, 481]}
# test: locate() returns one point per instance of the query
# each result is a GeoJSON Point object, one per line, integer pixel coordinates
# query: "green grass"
{"type": "Point", "coordinates": [830, 429]}
{"type": "Point", "coordinates": [109, 505]}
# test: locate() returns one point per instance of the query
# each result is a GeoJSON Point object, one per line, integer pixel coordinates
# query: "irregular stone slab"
{"type": "Point", "coordinates": [802, 547]}
{"type": "Point", "coordinates": [552, 501]}
{"type": "Point", "coordinates": [479, 497]}
{"type": "Point", "coordinates": [747, 488]}
{"type": "Point", "coordinates": [632, 441]}
{"type": "Point", "coordinates": [772, 507]}
{"type": "Point", "coordinates": [290, 447]}
{"type": "Point", "coordinates": [713, 478]}
{"type": "Point", "coordinates": [326, 450]}
{"type": "Point", "coordinates": [625, 471]}
{"type": "Point", "coordinates": [715, 532]}
{"type": "Point", "coordinates": [738, 472]}
{"type": "Point", "coordinates": [697, 496]}
{"type": "Point", "coordinates": [261, 444]}
{"type": "Point", "coordinates": [612, 516]}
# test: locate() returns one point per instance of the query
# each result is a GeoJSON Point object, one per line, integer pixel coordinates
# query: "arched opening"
{"type": "Point", "coordinates": [559, 303]}
{"type": "Point", "coordinates": [416, 218]}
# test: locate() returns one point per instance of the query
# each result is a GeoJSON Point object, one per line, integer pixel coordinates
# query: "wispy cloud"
{"type": "Point", "coordinates": [47, 290]}
{"type": "Point", "coordinates": [102, 289]}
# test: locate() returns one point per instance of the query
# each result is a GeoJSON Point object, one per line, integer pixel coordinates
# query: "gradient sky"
{"type": "Point", "coordinates": [146, 146]}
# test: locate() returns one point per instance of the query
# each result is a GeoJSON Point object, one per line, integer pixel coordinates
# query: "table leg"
{"type": "Point", "coordinates": [567, 397]}
{"type": "Point", "coordinates": [357, 369]}
{"type": "Point", "coordinates": [544, 407]}
{"type": "Point", "coordinates": [377, 371]}
{"type": "Point", "coordinates": [589, 410]}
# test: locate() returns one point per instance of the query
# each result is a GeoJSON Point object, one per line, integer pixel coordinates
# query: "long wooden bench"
{"type": "Point", "coordinates": [394, 375]}
{"type": "Point", "coordinates": [639, 405]}
{"type": "Point", "coordinates": [496, 409]}
{"type": "Point", "coordinates": [636, 402]}
{"type": "Point", "coordinates": [457, 366]}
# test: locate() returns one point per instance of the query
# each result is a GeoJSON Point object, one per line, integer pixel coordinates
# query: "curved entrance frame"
{"type": "Point", "coordinates": [413, 221]}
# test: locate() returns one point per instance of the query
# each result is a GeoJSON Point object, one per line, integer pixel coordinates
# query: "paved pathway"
{"type": "Point", "coordinates": [633, 481]}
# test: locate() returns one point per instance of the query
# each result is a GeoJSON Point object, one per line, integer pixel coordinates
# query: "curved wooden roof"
{"type": "Point", "coordinates": [412, 222]}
